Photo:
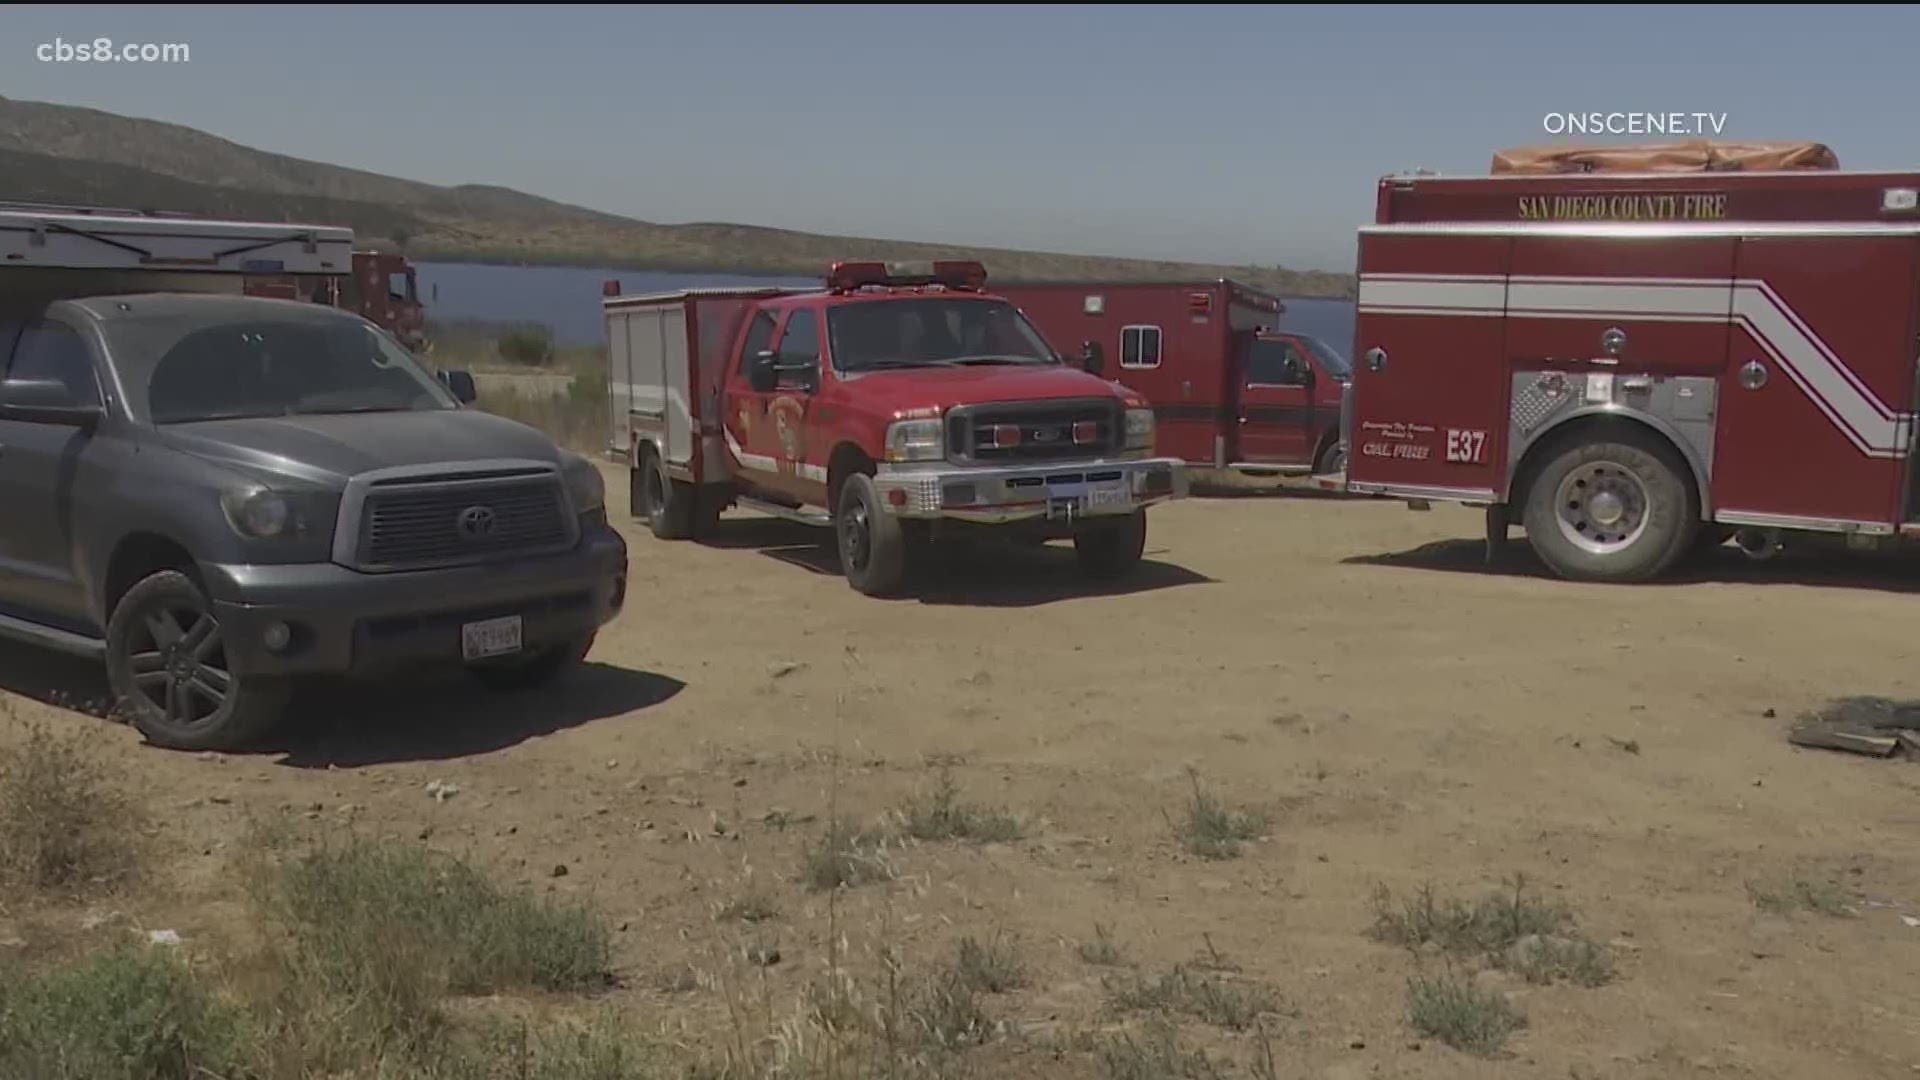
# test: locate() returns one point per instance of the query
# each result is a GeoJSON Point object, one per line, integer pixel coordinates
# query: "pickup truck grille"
{"type": "Point", "coordinates": [1046, 431]}
{"type": "Point", "coordinates": [454, 520]}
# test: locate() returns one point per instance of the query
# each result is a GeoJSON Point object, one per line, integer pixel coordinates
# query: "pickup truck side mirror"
{"type": "Point", "coordinates": [760, 374]}
{"type": "Point", "coordinates": [46, 401]}
{"type": "Point", "coordinates": [461, 384]}
{"type": "Point", "coordinates": [1091, 357]}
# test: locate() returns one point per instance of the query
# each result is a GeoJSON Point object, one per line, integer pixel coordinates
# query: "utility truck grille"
{"type": "Point", "coordinates": [1034, 431]}
{"type": "Point", "coordinates": [445, 521]}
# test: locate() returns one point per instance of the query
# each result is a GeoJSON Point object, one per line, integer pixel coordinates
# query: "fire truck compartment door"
{"type": "Point", "coordinates": [1816, 395]}
{"type": "Point", "coordinates": [657, 375]}
{"type": "Point", "coordinates": [1429, 411]}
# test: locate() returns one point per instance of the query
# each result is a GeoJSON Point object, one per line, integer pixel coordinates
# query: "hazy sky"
{"type": "Point", "coordinates": [1230, 134]}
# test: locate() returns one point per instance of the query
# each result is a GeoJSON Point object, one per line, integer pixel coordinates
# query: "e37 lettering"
{"type": "Point", "coordinates": [1466, 446]}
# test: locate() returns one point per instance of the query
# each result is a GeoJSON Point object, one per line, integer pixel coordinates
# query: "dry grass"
{"type": "Point", "coordinates": [943, 815]}
{"type": "Point", "coordinates": [136, 1012]}
{"type": "Point", "coordinates": [843, 857]}
{"type": "Point", "coordinates": [991, 967]}
{"type": "Point", "coordinates": [1510, 928]}
{"type": "Point", "coordinates": [1101, 951]}
{"type": "Point", "coordinates": [66, 825]}
{"type": "Point", "coordinates": [1784, 896]}
{"type": "Point", "coordinates": [1211, 831]}
{"type": "Point", "coordinates": [1156, 1052]}
{"type": "Point", "coordinates": [1227, 1004]}
{"type": "Point", "coordinates": [1460, 1014]}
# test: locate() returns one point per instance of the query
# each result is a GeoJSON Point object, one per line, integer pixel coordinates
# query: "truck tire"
{"type": "Point", "coordinates": [537, 670]}
{"type": "Point", "coordinates": [1332, 460]}
{"type": "Point", "coordinates": [873, 547]}
{"type": "Point", "coordinates": [167, 665]}
{"type": "Point", "coordinates": [666, 504]}
{"type": "Point", "coordinates": [1619, 508]}
{"type": "Point", "coordinates": [1108, 550]}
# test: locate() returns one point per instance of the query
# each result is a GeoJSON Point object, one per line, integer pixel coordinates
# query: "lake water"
{"type": "Point", "coordinates": [567, 299]}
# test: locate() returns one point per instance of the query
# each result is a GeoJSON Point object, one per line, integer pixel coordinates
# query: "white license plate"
{"type": "Point", "coordinates": [1106, 496]}
{"type": "Point", "coordinates": [491, 637]}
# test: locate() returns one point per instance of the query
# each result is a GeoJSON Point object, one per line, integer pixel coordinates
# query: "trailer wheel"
{"type": "Point", "coordinates": [873, 547]}
{"type": "Point", "coordinates": [1108, 550]}
{"type": "Point", "coordinates": [1616, 509]}
{"type": "Point", "coordinates": [666, 504]}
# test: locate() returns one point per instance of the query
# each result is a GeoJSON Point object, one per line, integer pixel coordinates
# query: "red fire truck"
{"type": "Point", "coordinates": [1632, 364]}
{"type": "Point", "coordinates": [1229, 392]}
{"type": "Point", "coordinates": [899, 404]}
{"type": "Point", "coordinates": [382, 289]}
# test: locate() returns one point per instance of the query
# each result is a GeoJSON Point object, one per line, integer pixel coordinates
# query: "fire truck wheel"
{"type": "Point", "coordinates": [1612, 510]}
{"type": "Point", "coordinates": [1107, 551]}
{"type": "Point", "coordinates": [1332, 460]}
{"type": "Point", "coordinates": [666, 503]}
{"type": "Point", "coordinates": [873, 547]}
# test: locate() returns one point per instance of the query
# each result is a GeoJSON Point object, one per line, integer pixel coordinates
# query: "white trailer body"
{"type": "Point", "coordinates": [65, 238]}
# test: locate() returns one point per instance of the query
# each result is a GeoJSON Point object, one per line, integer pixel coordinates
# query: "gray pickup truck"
{"type": "Point", "coordinates": [217, 495]}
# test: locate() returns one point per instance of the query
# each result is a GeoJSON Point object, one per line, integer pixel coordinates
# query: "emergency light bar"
{"type": "Point", "coordinates": [848, 276]}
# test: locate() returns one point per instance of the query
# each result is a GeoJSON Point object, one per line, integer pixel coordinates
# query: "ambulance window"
{"type": "Point", "coordinates": [759, 336]}
{"type": "Point", "coordinates": [1139, 346]}
{"type": "Point", "coordinates": [800, 341]}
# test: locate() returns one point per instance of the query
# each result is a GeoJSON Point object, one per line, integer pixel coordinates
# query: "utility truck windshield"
{"type": "Point", "coordinates": [180, 367]}
{"type": "Point", "coordinates": [933, 332]}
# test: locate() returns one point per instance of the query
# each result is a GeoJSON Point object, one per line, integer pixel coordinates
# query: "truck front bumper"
{"type": "Point", "coordinates": [1062, 491]}
{"type": "Point", "coordinates": [344, 622]}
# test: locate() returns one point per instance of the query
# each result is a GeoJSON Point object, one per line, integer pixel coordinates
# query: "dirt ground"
{"type": "Point", "coordinates": [1403, 714]}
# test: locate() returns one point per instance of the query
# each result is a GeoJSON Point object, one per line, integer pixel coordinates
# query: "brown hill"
{"type": "Point", "coordinates": [60, 153]}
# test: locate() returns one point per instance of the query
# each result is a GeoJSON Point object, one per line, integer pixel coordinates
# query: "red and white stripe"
{"type": "Point", "coordinates": [1873, 427]}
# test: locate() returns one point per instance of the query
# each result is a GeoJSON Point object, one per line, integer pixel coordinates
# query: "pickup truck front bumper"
{"type": "Point", "coordinates": [345, 622]}
{"type": "Point", "coordinates": [1060, 491]}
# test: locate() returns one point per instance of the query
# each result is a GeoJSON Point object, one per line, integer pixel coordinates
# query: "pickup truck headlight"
{"type": "Point", "coordinates": [1139, 429]}
{"type": "Point", "coordinates": [915, 440]}
{"type": "Point", "coordinates": [585, 486]}
{"type": "Point", "coordinates": [266, 514]}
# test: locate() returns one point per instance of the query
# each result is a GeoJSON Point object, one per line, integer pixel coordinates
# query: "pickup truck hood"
{"type": "Point", "coordinates": [917, 388]}
{"type": "Point", "coordinates": [328, 449]}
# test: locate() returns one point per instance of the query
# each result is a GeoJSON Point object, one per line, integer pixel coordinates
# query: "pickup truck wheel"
{"type": "Point", "coordinates": [1108, 550]}
{"type": "Point", "coordinates": [1332, 460]}
{"type": "Point", "coordinates": [873, 547]}
{"type": "Point", "coordinates": [666, 503]}
{"type": "Point", "coordinates": [1614, 510]}
{"type": "Point", "coordinates": [167, 665]}
{"type": "Point", "coordinates": [537, 670]}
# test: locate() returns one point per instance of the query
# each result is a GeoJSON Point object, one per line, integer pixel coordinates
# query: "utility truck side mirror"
{"type": "Point", "coordinates": [1092, 357]}
{"type": "Point", "coordinates": [760, 374]}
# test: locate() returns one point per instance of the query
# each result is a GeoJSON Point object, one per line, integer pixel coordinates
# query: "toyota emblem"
{"type": "Point", "coordinates": [475, 522]}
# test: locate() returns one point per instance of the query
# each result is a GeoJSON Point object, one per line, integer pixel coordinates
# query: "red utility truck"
{"type": "Point", "coordinates": [381, 289]}
{"type": "Point", "coordinates": [897, 404]}
{"type": "Point", "coordinates": [1634, 364]}
{"type": "Point", "coordinates": [1229, 392]}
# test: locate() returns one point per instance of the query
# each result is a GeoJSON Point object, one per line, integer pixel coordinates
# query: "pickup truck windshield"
{"type": "Point", "coordinates": [1336, 365]}
{"type": "Point", "coordinates": [931, 332]}
{"type": "Point", "coordinates": [182, 367]}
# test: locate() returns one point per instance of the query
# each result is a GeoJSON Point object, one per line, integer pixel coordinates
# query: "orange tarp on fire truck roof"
{"type": "Point", "coordinates": [1698, 155]}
